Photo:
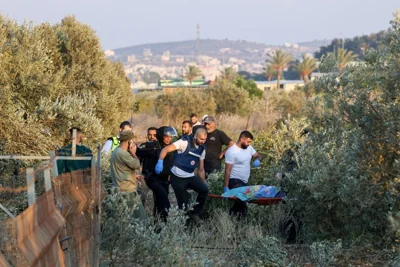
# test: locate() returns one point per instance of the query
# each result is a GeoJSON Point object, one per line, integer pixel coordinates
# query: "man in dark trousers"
{"type": "Point", "coordinates": [149, 152]}
{"type": "Point", "coordinates": [190, 153]}
{"type": "Point", "coordinates": [237, 169]}
{"type": "Point", "coordinates": [215, 140]}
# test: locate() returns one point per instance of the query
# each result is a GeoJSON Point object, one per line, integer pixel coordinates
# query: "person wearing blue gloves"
{"type": "Point", "coordinates": [190, 154]}
{"type": "Point", "coordinates": [158, 182]}
{"type": "Point", "coordinates": [237, 169]}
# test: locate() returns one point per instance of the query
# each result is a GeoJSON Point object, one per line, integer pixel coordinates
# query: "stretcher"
{"type": "Point", "coordinates": [258, 201]}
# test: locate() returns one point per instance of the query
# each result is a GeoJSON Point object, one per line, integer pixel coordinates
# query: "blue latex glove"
{"type": "Point", "coordinates": [256, 163]}
{"type": "Point", "coordinates": [159, 166]}
{"type": "Point", "coordinates": [226, 189]}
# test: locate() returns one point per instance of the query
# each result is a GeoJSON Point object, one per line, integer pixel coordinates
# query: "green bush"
{"type": "Point", "coordinates": [45, 71]}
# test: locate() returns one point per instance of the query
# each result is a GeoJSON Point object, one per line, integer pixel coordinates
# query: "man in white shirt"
{"type": "Point", "coordinates": [194, 119]}
{"type": "Point", "coordinates": [237, 169]}
{"type": "Point", "coordinates": [190, 154]}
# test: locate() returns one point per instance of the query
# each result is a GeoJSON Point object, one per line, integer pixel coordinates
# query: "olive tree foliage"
{"type": "Point", "coordinates": [176, 106]}
{"type": "Point", "coordinates": [229, 98]}
{"type": "Point", "coordinates": [54, 68]}
{"type": "Point", "coordinates": [347, 177]}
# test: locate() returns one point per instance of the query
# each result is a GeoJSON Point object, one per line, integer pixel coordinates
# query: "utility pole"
{"type": "Point", "coordinates": [197, 46]}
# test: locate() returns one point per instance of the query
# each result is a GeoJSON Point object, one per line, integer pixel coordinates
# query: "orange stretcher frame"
{"type": "Point", "coordinates": [259, 201]}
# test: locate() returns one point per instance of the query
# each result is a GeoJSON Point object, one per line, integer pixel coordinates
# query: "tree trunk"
{"type": "Point", "coordinates": [305, 77]}
{"type": "Point", "coordinates": [278, 81]}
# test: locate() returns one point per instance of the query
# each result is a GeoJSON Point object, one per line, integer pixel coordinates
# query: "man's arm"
{"type": "Point", "coordinates": [166, 150]}
{"type": "Point", "coordinates": [228, 168]}
{"type": "Point", "coordinates": [107, 147]}
{"type": "Point", "coordinates": [221, 155]}
{"type": "Point", "coordinates": [201, 172]}
{"type": "Point", "coordinates": [257, 156]}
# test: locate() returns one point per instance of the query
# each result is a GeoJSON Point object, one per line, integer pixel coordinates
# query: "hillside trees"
{"type": "Point", "coordinates": [347, 175]}
{"type": "Point", "coordinates": [191, 73]}
{"type": "Point", "coordinates": [279, 60]}
{"type": "Point", "coordinates": [306, 67]}
{"type": "Point", "coordinates": [47, 66]}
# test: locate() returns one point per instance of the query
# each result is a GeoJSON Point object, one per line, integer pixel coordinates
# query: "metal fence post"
{"type": "Point", "coordinates": [30, 181]}
{"type": "Point", "coordinates": [54, 170]}
{"type": "Point", "coordinates": [47, 179]}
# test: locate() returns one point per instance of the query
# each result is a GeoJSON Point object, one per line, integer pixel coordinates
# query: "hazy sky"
{"type": "Point", "coordinates": [122, 23]}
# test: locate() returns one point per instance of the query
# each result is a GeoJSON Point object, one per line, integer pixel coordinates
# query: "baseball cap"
{"type": "Point", "coordinates": [209, 119]}
{"type": "Point", "coordinates": [125, 135]}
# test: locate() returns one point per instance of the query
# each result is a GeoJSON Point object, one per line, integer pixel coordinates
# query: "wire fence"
{"type": "Point", "coordinates": [47, 218]}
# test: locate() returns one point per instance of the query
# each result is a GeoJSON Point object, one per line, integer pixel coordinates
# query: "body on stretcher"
{"type": "Point", "coordinates": [258, 194]}
{"type": "Point", "coordinates": [258, 201]}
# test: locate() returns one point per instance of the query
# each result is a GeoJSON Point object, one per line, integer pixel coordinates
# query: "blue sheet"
{"type": "Point", "coordinates": [246, 193]}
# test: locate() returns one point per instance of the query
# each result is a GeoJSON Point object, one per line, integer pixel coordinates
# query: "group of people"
{"type": "Point", "coordinates": [184, 164]}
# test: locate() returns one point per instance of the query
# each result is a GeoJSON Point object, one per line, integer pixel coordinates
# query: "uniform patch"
{"type": "Point", "coordinates": [192, 162]}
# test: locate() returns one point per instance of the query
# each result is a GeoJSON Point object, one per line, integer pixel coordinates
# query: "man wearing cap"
{"type": "Point", "coordinates": [190, 153]}
{"type": "Point", "coordinates": [123, 163]}
{"type": "Point", "coordinates": [215, 140]}
{"type": "Point", "coordinates": [113, 142]}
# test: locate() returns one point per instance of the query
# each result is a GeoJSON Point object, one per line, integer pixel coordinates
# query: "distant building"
{"type": "Point", "coordinates": [166, 56]}
{"type": "Point", "coordinates": [131, 59]}
{"type": "Point", "coordinates": [109, 53]}
{"type": "Point", "coordinates": [315, 75]}
{"type": "Point", "coordinates": [286, 85]}
{"type": "Point", "coordinates": [147, 52]}
{"type": "Point", "coordinates": [180, 59]}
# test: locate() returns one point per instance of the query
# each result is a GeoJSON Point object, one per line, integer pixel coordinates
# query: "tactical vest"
{"type": "Point", "coordinates": [115, 142]}
{"type": "Point", "coordinates": [188, 160]}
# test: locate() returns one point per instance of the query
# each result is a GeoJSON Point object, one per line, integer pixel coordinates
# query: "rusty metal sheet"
{"type": "Point", "coordinates": [37, 231]}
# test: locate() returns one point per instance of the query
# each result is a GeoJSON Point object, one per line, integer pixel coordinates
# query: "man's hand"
{"type": "Point", "coordinates": [159, 166]}
{"type": "Point", "coordinates": [256, 163]}
{"type": "Point", "coordinates": [221, 155]}
{"type": "Point", "coordinates": [226, 189]}
{"type": "Point", "coordinates": [139, 177]}
{"type": "Point", "coordinates": [132, 148]}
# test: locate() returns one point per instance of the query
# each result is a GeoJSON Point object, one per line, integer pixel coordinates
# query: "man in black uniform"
{"type": "Point", "coordinates": [215, 140]}
{"type": "Point", "coordinates": [158, 183]}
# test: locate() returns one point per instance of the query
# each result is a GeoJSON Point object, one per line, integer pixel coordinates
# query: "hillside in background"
{"type": "Point", "coordinates": [249, 51]}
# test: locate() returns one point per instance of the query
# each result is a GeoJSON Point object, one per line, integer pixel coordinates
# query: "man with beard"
{"type": "Point", "coordinates": [195, 121]}
{"type": "Point", "coordinates": [237, 169]}
{"type": "Point", "coordinates": [186, 128]}
{"type": "Point", "coordinates": [143, 148]}
{"type": "Point", "coordinates": [158, 182]}
{"type": "Point", "coordinates": [190, 153]}
{"type": "Point", "coordinates": [215, 140]}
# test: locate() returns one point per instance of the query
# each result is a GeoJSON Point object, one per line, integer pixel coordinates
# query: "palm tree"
{"type": "Point", "coordinates": [343, 57]}
{"type": "Point", "coordinates": [191, 73]}
{"type": "Point", "coordinates": [279, 61]}
{"type": "Point", "coordinates": [306, 67]}
{"type": "Point", "coordinates": [269, 71]}
{"type": "Point", "coordinates": [228, 74]}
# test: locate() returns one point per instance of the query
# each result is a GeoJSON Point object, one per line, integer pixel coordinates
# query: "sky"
{"type": "Point", "coordinates": [123, 23]}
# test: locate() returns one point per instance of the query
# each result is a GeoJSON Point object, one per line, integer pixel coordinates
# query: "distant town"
{"type": "Point", "coordinates": [169, 60]}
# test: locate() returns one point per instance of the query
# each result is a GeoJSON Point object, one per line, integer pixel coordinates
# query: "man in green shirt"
{"type": "Point", "coordinates": [65, 166]}
{"type": "Point", "coordinates": [123, 163]}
